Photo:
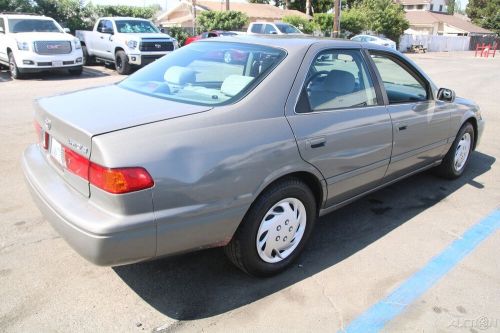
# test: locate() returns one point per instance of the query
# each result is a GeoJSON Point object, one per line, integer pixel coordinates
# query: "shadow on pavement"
{"type": "Point", "coordinates": [205, 284]}
{"type": "Point", "coordinates": [59, 75]}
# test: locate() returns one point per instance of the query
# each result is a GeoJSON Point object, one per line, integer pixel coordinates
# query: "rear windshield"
{"type": "Point", "coordinates": [135, 26]}
{"type": "Point", "coordinates": [32, 25]}
{"type": "Point", "coordinates": [202, 73]}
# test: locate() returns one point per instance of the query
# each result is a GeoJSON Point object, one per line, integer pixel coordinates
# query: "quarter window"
{"type": "Point", "coordinates": [401, 84]}
{"type": "Point", "coordinates": [338, 79]}
{"type": "Point", "coordinates": [256, 28]}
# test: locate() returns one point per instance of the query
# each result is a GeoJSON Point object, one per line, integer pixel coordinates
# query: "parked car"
{"type": "Point", "coordinates": [209, 34]}
{"type": "Point", "coordinates": [190, 153]}
{"type": "Point", "coordinates": [32, 44]}
{"type": "Point", "coordinates": [270, 28]}
{"type": "Point", "coordinates": [127, 42]}
{"type": "Point", "coordinates": [375, 40]}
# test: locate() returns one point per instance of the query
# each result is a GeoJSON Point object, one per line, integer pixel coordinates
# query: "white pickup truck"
{"type": "Point", "coordinates": [126, 42]}
{"type": "Point", "coordinates": [33, 43]}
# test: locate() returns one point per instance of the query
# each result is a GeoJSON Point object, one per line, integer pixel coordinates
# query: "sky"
{"type": "Point", "coordinates": [167, 4]}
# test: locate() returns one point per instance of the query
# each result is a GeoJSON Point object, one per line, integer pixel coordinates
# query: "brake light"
{"type": "Point", "coordinates": [116, 180]}
{"type": "Point", "coordinates": [119, 180]}
{"type": "Point", "coordinates": [42, 136]}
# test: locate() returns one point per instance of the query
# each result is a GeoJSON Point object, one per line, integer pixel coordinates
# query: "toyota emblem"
{"type": "Point", "coordinates": [158, 46]}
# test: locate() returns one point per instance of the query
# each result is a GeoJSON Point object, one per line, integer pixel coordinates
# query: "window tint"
{"type": "Point", "coordinates": [269, 29]}
{"type": "Point", "coordinates": [339, 79]}
{"type": "Point", "coordinates": [401, 86]}
{"type": "Point", "coordinates": [134, 26]}
{"type": "Point", "coordinates": [287, 28]}
{"type": "Point", "coordinates": [108, 25]}
{"type": "Point", "coordinates": [100, 25]}
{"type": "Point", "coordinates": [32, 25]}
{"type": "Point", "coordinates": [257, 28]}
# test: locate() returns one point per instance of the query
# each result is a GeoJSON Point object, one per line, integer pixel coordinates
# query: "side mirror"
{"type": "Point", "coordinates": [66, 30]}
{"type": "Point", "coordinates": [107, 31]}
{"type": "Point", "coordinates": [274, 33]}
{"type": "Point", "coordinates": [446, 95]}
{"type": "Point", "coordinates": [162, 30]}
{"type": "Point", "coordinates": [1, 30]}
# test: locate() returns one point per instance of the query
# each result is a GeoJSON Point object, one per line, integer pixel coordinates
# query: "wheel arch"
{"type": "Point", "coordinates": [473, 121]}
{"type": "Point", "coordinates": [119, 48]}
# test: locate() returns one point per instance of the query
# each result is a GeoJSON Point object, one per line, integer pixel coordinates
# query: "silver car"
{"type": "Point", "coordinates": [192, 152]}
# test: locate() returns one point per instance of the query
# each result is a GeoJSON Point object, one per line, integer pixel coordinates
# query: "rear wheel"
{"type": "Point", "coordinates": [275, 229]}
{"type": "Point", "coordinates": [14, 70]}
{"type": "Point", "coordinates": [121, 63]}
{"type": "Point", "coordinates": [87, 59]}
{"type": "Point", "coordinates": [76, 72]}
{"type": "Point", "coordinates": [456, 159]}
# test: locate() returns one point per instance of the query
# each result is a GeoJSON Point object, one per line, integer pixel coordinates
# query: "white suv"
{"type": "Point", "coordinates": [30, 44]}
{"type": "Point", "coordinates": [272, 28]}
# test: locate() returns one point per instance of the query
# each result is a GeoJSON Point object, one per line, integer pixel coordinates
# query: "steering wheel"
{"type": "Point", "coordinates": [315, 76]}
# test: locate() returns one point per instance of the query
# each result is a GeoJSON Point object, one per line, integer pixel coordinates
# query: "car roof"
{"type": "Point", "coordinates": [288, 43]}
{"type": "Point", "coordinates": [26, 16]}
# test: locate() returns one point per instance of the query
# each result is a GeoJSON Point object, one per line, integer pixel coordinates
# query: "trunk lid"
{"type": "Point", "coordinates": [73, 119]}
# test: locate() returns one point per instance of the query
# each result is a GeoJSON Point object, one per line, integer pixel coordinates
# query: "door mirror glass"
{"type": "Point", "coordinates": [446, 95]}
{"type": "Point", "coordinates": [107, 30]}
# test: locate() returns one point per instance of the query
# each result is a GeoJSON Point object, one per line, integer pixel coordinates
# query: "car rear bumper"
{"type": "Point", "coordinates": [75, 217]}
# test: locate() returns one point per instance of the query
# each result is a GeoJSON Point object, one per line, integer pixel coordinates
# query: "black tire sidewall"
{"type": "Point", "coordinates": [125, 67]}
{"type": "Point", "coordinates": [14, 74]}
{"type": "Point", "coordinates": [247, 234]}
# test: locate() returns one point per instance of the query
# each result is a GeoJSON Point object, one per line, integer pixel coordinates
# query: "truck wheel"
{"type": "Point", "coordinates": [76, 72]}
{"type": "Point", "coordinates": [121, 63]}
{"type": "Point", "coordinates": [14, 70]}
{"type": "Point", "coordinates": [87, 60]}
{"type": "Point", "coordinates": [275, 229]}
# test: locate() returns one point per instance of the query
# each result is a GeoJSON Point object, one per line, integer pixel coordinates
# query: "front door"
{"type": "Point", "coordinates": [340, 122]}
{"type": "Point", "coordinates": [421, 124]}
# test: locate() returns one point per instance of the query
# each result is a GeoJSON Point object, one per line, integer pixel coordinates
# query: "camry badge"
{"type": "Point", "coordinates": [78, 146]}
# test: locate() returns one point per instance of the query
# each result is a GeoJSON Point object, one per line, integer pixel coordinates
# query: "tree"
{"type": "Point", "coordinates": [354, 20]}
{"type": "Point", "coordinates": [324, 22]}
{"type": "Point", "coordinates": [452, 4]}
{"type": "Point", "coordinates": [386, 17]}
{"type": "Point", "coordinates": [178, 33]}
{"type": "Point", "coordinates": [16, 6]}
{"type": "Point", "coordinates": [303, 24]}
{"type": "Point", "coordinates": [485, 13]}
{"type": "Point", "coordinates": [221, 20]}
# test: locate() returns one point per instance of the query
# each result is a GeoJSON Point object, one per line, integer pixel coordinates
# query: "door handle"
{"type": "Point", "coordinates": [402, 127]}
{"type": "Point", "coordinates": [316, 142]}
{"type": "Point", "coordinates": [102, 37]}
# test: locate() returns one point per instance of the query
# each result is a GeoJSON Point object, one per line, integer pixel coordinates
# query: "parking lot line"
{"type": "Point", "coordinates": [376, 317]}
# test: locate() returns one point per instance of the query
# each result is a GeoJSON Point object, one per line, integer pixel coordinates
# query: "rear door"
{"type": "Point", "coordinates": [339, 120]}
{"type": "Point", "coordinates": [421, 124]}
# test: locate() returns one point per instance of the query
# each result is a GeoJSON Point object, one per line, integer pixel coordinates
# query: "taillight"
{"type": "Point", "coordinates": [119, 180]}
{"type": "Point", "coordinates": [42, 136]}
{"type": "Point", "coordinates": [116, 180]}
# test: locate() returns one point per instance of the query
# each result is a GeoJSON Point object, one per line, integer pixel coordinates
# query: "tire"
{"type": "Point", "coordinates": [247, 249]}
{"type": "Point", "coordinates": [15, 74]}
{"type": "Point", "coordinates": [87, 60]}
{"type": "Point", "coordinates": [457, 158]}
{"type": "Point", "coordinates": [121, 63]}
{"type": "Point", "coordinates": [76, 72]}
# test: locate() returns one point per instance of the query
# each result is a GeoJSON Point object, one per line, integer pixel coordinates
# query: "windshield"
{"type": "Point", "coordinates": [32, 25]}
{"type": "Point", "coordinates": [206, 73]}
{"type": "Point", "coordinates": [287, 28]}
{"type": "Point", "coordinates": [135, 26]}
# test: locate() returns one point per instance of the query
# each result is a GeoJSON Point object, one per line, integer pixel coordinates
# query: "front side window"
{"type": "Point", "coordinates": [339, 79]}
{"type": "Point", "coordinates": [135, 27]}
{"type": "Point", "coordinates": [269, 29]}
{"type": "Point", "coordinates": [401, 84]}
{"type": "Point", "coordinates": [287, 28]}
{"type": "Point", "coordinates": [32, 25]}
{"type": "Point", "coordinates": [201, 74]}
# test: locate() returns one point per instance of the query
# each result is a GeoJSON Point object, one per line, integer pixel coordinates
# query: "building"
{"type": "Point", "coordinates": [439, 6]}
{"type": "Point", "coordinates": [183, 15]}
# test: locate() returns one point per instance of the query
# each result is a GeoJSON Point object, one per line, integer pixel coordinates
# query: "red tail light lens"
{"type": "Point", "coordinates": [121, 180]}
{"type": "Point", "coordinates": [116, 181]}
{"type": "Point", "coordinates": [42, 136]}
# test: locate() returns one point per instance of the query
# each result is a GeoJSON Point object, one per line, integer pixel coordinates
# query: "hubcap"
{"type": "Point", "coordinates": [227, 57]}
{"type": "Point", "coordinates": [118, 62]}
{"type": "Point", "coordinates": [281, 230]}
{"type": "Point", "coordinates": [462, 151]}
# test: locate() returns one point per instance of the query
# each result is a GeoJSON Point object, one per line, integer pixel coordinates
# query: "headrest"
{"type": "Point", "coordinates": [340, 82]}
{"type": "Point", "coordinates": [179, 75]}
{"type": "Point", "coordinates": [233, 84]}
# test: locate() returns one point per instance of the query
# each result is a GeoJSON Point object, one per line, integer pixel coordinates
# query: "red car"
{"type": "Point", "coordinates": [209, 34]}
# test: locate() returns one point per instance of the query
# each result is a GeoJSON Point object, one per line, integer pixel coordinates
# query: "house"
{"type": "Point", "coordinates": [433, 23]}
{"type": "Point", "coordinates": [183, 14]}
{"type": "Point", "coordinates": [440, 6]}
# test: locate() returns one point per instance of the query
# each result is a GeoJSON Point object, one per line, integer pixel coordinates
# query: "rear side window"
{"type": "Point", "coordinates": [256, 28]}
{"type": "Point", "coordinates": [339, 79]}
{"type": "Point", "coordinates": [402, 84]}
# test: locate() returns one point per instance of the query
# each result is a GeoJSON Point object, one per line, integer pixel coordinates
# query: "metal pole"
{"type": "Point", "coordinates": [336, 18]}
{"type": "Point", "coordinates": [194, 17]}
